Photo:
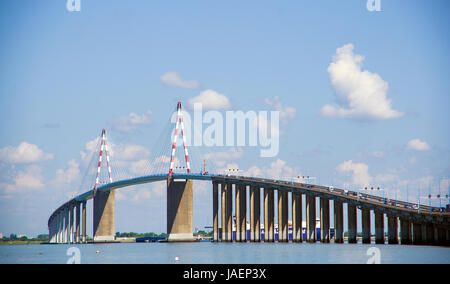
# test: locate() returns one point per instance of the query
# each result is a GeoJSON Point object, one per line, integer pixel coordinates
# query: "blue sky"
{"type": "Point", "coordinates": [66, 75]}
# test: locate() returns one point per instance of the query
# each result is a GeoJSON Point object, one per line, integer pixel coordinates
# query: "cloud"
{"type": "Point", "coordinates": [359, 171]}
{"type": "Point", "coordinates": [174, 79]}
{"type": "Point", "coordinates": [360, 94]}
{"type": "Point", "coordinates": [221, 158]}
{"type": "Point", "coordinates": [68, 175]}
{"type": "Point", "coordinates": [418, 145]}
{"type": "Point", "coordinates": [30, 179]}
{"type": "Point", "coordinates": [131, 122]}
{"type": "Point", "coordinates": [24, 153]}
{"type": "Point", "coordinates": [286, 113]}
{"type": "Point", "coordinates": [211, 100]}
{"type": "Point", "coordinates": [277, 170]}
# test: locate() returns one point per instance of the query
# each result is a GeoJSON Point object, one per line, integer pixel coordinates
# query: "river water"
{"type": "Point", "coordinates": [223, 253]}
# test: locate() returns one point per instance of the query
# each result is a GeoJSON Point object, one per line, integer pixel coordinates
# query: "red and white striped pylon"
{"type": "Point", "coordinates": [103, 147]}
{"type": "Point", "coordinates": [174, 144]}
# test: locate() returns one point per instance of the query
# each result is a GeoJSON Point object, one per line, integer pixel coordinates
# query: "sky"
{"type": "Point", "coordinates": [362, 96]}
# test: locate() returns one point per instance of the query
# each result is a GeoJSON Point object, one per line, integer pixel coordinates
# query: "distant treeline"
{"type": "Point", "coordinates": [152, 235]}
{"type": "Point", "coordinates": [139, 235]}
{"type": "Point", "coordinates": [14, 237]}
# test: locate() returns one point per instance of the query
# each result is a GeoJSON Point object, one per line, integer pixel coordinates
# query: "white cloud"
{"type": "Point", "coordinates": [286, 113]}
{"type": "Point", "coordinates": [211, 100]}
{"type": "Point", "coordinates": [359, 171]}
{"type": "Point", "coordinates": [378, 154]}
{"type": "Point", "coordinates": [30, 179]}
{"type": "Point", "coordinates": [68, 175]}
{"type": "Point", "coordinates": [174, 79]}
{"type": "Point", "coordinates": [418, 145]}
{"type": "Point", "coordinates": [277, 170]}
{"type": "Point", "coordinates": [131, 122]}
{"type": "Point", "coordinates": [360, 94]}
{"type": "Point", "coordinates": [24, 153]}
{"type": "Point", "coordinates": [221, 158]}
{"type": "Point", "coordinates": [126, 152]}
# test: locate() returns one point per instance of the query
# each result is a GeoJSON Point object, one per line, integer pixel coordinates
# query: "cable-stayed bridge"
{"type": "Point", "coordinates": [268, 207]}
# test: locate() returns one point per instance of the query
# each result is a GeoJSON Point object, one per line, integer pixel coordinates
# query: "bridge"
{"type": "Point", "coordinates": [407, 223]}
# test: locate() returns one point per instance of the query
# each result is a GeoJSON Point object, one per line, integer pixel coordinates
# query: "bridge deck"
{"type": "Point", "coordinates": [361, 200]}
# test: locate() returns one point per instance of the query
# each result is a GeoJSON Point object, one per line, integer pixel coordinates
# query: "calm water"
{"type": "Point", "coordinates": [203, 253]}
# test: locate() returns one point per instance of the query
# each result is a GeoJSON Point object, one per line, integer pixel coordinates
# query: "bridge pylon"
{"type": "Point", "coordinates": [104, 202]}
{"type": "Point", "coordinates": [179, 125]}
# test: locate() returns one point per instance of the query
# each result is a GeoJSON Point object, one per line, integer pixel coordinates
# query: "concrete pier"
{"type": "Point", "coordinates": [255, 214]}
{"type": "Point", "coordinates": [241, 212]}
{"type": "Point", "coordinates": [66, 225]}
{"type": "Point", "coordinates": [77, 223]}
{"type": "Point", "coordinates": [405, 231]}
{"type": "Point", "coordinates": [324, 220]}
{"type": "Point", "coordinates": [283, 216]}
{"type": "Point", "coordinates": [392, 230]}
{"type": "Point", "coordinates": [441, 236]}
{"type": "Point", "coordinates": [429, 234]}
{"type": "Point", "coordinates": [365, 213]}
{"type": "Point", "coordinates": [179, 210]}
{"type": "Point", "coordinates": [269, 215]}
{"type": "Point", "coordinates": [338, 222]}
{"type": "Point", "coordinates": [227, 195]}
{"type": "Point", "coordinates": [104, 216]}
{"type": "Point", "coordinates": [83, 220]}
{"type": "Point", "coordinates": [352, 226]}
{"type": "Point", "coordinates": [417, 231]}
{"type": "Point", "coordinates": [310, 219]}
{"type": "Point", "coordinates": [297, 218]}
{"type": "Point", "coordinates": [215, 212]}
{"type": "Point", "coordinates": [379, 227]}
{"type": "Point", "coordinates": [71, 222]}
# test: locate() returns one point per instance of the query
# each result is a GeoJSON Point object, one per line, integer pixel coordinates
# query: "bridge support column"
{"type": "Point", "coordinates": [104, 215]}
{"type": "Point", "coordinates": [227, 206]}
{"type": "Point", "coordinates": [429, 234]}
{"type": "Point", "coordinates": [405, 231]}
{"type": "Point", "coordinates": [66, 225]}
{"type": "Point", "coordinates": [255, 214]}
{"type": "Point", "coordinates": [243, 207]}
{"type": "Point", "coordinates": [58, 233]}
{"type": "Point", "coordinates": [352, 227]}
{"type": "Point", "coordinates": [392, 230]}
{"type": "Point", "coordinates": [310, 219]}
{"type": "Point", "coordinates": [283, 216]}
{"type": "Point", "coordinates": [441, 236]}
{"type": "Point", "coordinates": [297, 230]}
{"type": "Point", "coordinates": [77, 223]}
{"type": "Point", "coordinates": [338, 222]}
{"type": "Point", "coordinates": [324, 220]}
{"type": "Point", "coordinates": [379, 227]}
{"type": "Point", "coordinates": [83, 221]}
{"type": "Point", "coordinates": [417, 233]}
{"type": "Point", "coordinates": [241, 213]}
{"type": "Point", "coordinates": [365, 226]}
{"type": "Point", "coordinates": [269, 215]}
{"type": "Point", "coordinates": [71, 227]}
{"type": "Point", "coordinates": [215, 211]}
{"type": "Point", "coordinates": [179, 211]}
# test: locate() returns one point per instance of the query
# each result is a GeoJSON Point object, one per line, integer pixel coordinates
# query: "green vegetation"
{"type": "Point", "coordinates": [203, 234]}
{"type": "Point", "coordinates": [13, 239]}
{"type": "Point", "coordinates": [139, 235]}
{"type": "Point", "coordinates": [152, 235]}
